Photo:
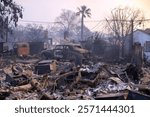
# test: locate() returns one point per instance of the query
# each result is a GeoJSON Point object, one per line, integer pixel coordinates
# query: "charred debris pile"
{"type": "Point", "coordinates": [56, 80]}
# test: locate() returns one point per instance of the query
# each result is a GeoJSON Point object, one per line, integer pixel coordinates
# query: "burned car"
{"type": "Point", "coordinates": [70, 52]}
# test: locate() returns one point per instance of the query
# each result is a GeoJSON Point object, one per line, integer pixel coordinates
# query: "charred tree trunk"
{"type": "Point", "coordinates": [82, 20]}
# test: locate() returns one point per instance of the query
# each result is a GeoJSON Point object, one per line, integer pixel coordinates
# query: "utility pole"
{"type": "Point", "coordinates": [82, 26]}
{"type": "Point", "coordinates": [132, 27]}
{"type": "Point", "coordinates": [132, 41]}
{"type": "Point", "coordinates": [6, 30]}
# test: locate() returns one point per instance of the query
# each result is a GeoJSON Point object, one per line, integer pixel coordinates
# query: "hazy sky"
{"type": "Point", "coordinates": [48, 10]}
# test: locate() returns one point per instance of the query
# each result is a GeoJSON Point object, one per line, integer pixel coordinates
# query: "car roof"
{"type": "Point", "coordinates": [69, 45]}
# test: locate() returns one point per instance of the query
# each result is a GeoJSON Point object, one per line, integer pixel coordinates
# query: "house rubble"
{"type": "Point", "coordinates": [66, 81]}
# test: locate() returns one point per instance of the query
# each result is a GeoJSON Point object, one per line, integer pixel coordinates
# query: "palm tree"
{"type": "Point", "coordinates": [84, 12]}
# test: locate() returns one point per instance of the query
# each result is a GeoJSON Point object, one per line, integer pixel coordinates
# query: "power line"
{"type": "Point", "coordinates": [47, 22]}
{"type": "Point", "coordinates": [95, 26]}
{"type": "Point", "coordinates": [88, 21]}
{"type": "Point", "coordinates": [33, 21]}
{"type": "Point", "coordinates": [94, 21]}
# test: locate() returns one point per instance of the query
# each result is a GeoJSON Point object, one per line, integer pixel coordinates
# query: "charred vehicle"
{"type": "Point", "coordinates": [70, 52]}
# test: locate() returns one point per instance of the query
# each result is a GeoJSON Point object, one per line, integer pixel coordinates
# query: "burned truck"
{"type": "Point", "coordinates": [69, 52]}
